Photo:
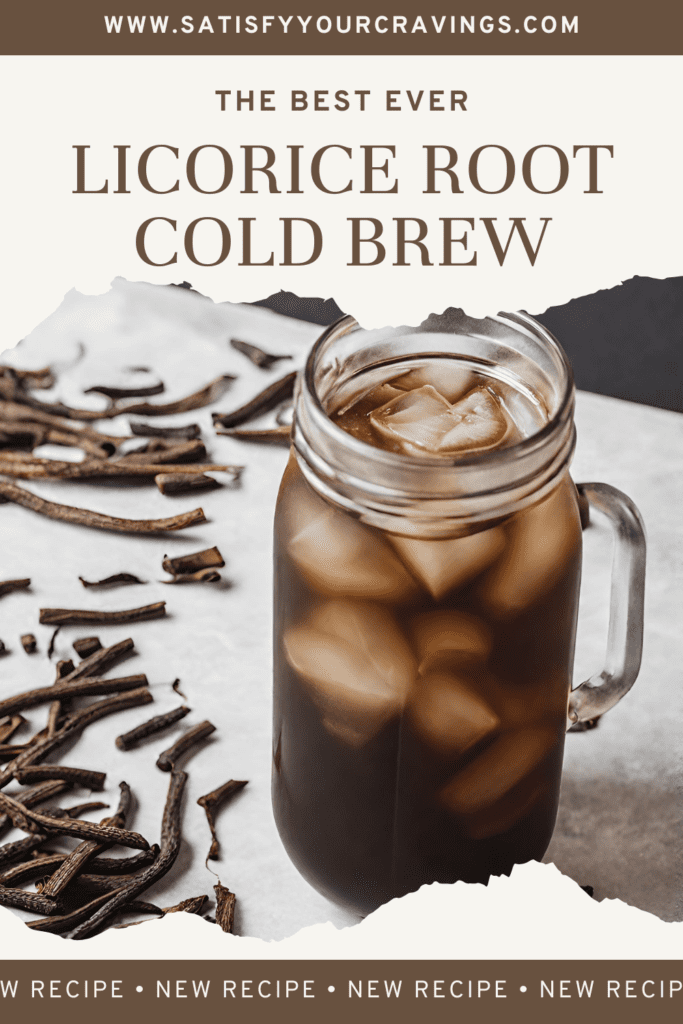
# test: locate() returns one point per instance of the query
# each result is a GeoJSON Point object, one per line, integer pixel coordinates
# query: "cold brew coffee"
{"type": "Point", "coordinates": [421, 682]}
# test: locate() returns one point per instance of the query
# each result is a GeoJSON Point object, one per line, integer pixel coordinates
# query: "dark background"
{"type": "Point", "coordinates": [625, 342]}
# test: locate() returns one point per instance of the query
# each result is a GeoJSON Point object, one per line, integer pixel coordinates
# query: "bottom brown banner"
{"type": "Point", "coordinates": [56, 991]}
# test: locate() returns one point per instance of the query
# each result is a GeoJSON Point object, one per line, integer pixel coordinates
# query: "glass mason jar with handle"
{"type": "Point", "coordinates": [427, 569]}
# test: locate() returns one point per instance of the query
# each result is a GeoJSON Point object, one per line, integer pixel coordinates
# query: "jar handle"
{"type": "Point", "coordinates": [625, 635]}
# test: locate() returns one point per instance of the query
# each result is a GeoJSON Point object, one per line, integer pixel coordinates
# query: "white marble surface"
{"type": "Point", "coordinates": [217, 638]}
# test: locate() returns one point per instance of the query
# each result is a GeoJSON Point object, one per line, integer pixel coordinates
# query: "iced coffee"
{"type": "Point", "coordinates": [421, 680]}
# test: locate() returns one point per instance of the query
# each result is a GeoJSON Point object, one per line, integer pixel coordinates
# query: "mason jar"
{"type": "Point", "coordinates": [427, 570]}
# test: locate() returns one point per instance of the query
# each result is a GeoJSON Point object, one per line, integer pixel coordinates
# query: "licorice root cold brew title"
{"type": "Point", "coordinates": [452, 238]}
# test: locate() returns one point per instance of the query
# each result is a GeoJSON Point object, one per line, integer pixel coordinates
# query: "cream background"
{"type": "Point", "coordinates": [54, 240]}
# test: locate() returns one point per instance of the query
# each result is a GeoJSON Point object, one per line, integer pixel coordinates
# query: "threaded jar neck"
{"type": "Point", "coordinates": [435, 496]}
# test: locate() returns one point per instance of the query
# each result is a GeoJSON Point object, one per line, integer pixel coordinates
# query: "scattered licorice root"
{"type": "Point", "coordinates": [79, 688]}
{"type": "Point", "coordinates": [212, 802]}
{"type": "Point", "coordinates": [86, 646]}
{"type": "Point", "coordinates": [85, 617]}
{"type": "Point", "coordinates": [167, 759]}
{"type": "Point", "coordinates": [264, 360]}
{"type": "Point", "coordinates": [225, 907]}
{"type": "Point", "coordinates": [98, 520]}
{"type": "Point", "coordinates": [118, 579]}
{"type": "Point", "coordinates": [272, 435]}
{"type": "Point", "coordinates": [169, 849]}
{"type": "Point", "coordinates": [209, 558]}
{"type": "Point", "coordinates": [151, 727]}
{"type": "Point", "coordinates": [7, 586]}
{"type": "Point", "coordinates": [262, 403]}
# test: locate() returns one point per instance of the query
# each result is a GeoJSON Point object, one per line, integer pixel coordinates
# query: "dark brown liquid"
{"type": "Point", "coordinates": [421, 692]}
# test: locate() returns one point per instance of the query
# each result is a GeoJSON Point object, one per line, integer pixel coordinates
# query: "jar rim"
{"type": "Point", "coordinates": [481, 459]}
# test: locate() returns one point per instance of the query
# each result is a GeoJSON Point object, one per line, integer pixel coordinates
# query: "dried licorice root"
{"type": "Point", "coordinates": [183, 483]}
{"type": "Point", "coordinates": [212, 802]}
{"type": "Point", "coordinates": [33, 468]}
{"type": "Point", "coordinates": [193, 905]}
{"type": "Point", "coordinates": [119, 579]}
{"type": "Point", "coordinates": [170, 847]}
{"type": "Point", "coordinates": [225, 907]}
{"type": "Point", "coordinates": [22, 900]}
{"type": "Point", "coordinates": [138, 906]}
{"type": "Point", "coordinates": [79, 857]}
{"type": "Point", "coordinates": [29, 643]}
{"type": "Point", "coordinates": [51, 645]}
{"type": "Point", "coordinates": [102, 883]}
{"type": "Point", "coordinates": [43, 378]}
{"type": "Point", "coordinates": [36, 794]}
{"type": "Point", "coordinates": [82, 617]}
{"type": "Point", "coordinates": [11, 391]}
{"type": "Point", "coordinates": [159, 452]}
{"type": "Point", "coordinates": [72, 726]}
{"type": "Point", "coordinates": [209, 558]}
{"type": "Point", "coordinates": [187, 433]}
{"type": "Point", "coordinates": [32, 821]}
{"type": "Point", "coordinates": [123, 865]}
{"type": "Point", "coordinates": [100, 659]}
{"type": "Point", "coordinates": [87, 645]}
{"type": "Point", "coordinates": [9, 724]}
{"type": "Point", "coordinates": [201, 576]}
{"type": "Point", "coordinates": [8, 586]}
{"type": "Point", "coordinates": [37, 866]}
{"type": "Point", "coordinates": [20, 848]}
{"type": "Point", "coordinates": [58, 430]}
{"type": "Point", "coordinates": [262, 403]}
{"type": "Point", "coordinates": [74, 776]}
{"type": "Point", "coordinates": [197, 400]}
{"type": "Point", "coordinates": [78, 809]}
{"type": "Point", "coordinates": [271, 435]}
{"type": "Point", "coordinates": [25, 434]}
{"type": "Point", "coordinates": [167, 759]}
{"type": "Point", "coordinates": [32, 868]}
{"type": "Point", "coordinates": [87, 687]}
{"type": "Point", "coordinates": [114, 393]}
{"type": "Point", "coordinates": [151, 727]}
{"type": "Point", "coordinates": [8, 751]}
{"type": "Point", "coordinates": [264, 360]}
{"type": "Point", "coordinates": [79, 720]}
{"type": "Point", "coordinates": [65, 922]}
{"type": "Point", "coordinates": [64, 666]}
{"type": "Point", "coordinates": [98, 520]}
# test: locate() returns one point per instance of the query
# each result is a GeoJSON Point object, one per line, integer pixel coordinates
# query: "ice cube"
{"type": "Point", "coordinates": [495, 820]}
{"type": "Point", "coordinates": [359, 405]}
{"type": "Point", "coordinates": [357, 664]}
{"type": "Point", "coordinates": [446, 637]}
{"type": "Point", "coordinates": [479, 423]}
{"type": "Point", "coordinates": [449, 378]}
{"type": "Point", "coordinates": [443, 565]}
{"type": "Point", "coordinates": [422, 421]}
{"type": "Point", "coordinates": [338, 555]}
{"type": "Point", "coordinates": [541, 541]}
{"type": "Point", "coordinates": [418, 420]}
{"type": "Point", "coordinates": [448, 713]}
{"type": "Point", "coordinates": [497, 770]}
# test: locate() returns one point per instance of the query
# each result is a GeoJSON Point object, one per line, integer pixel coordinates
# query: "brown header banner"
{"type": "Point", "coordinates": [307, 992]}
{"type": "Point", "coordinates": [373, 27]}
